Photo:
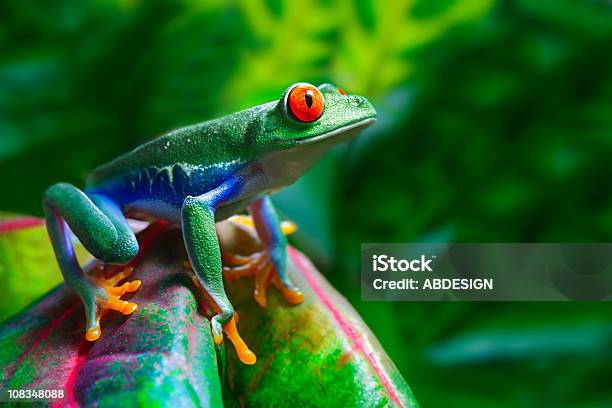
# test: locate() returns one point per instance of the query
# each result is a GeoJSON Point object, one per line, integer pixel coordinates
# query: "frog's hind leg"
{"type": "Point", "coordinates": [268, 266]}
{"type": "Point", "coordinates": [101, 227]}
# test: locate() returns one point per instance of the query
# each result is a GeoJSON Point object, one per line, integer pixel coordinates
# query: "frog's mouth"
{"type": "Point", "coordinates": [339, 135]}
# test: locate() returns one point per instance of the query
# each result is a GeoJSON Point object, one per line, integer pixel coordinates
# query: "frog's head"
{"type": "Point", "coordinates": [307, 115]}
{"type": "Point", "coordinates": [304, 124]}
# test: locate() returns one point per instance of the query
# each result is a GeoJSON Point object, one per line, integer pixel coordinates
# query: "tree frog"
{"type": "Point", "coordinates": [196, 176]}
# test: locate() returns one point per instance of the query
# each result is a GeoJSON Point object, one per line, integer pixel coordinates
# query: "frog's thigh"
{"type": "Point", "coordinates": [96, 221]}
{"type": "Point", "coordinates": [125, 246]}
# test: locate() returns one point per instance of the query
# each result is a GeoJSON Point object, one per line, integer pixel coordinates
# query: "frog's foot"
{"type": "Point", "coordinates": [108, 297]}
{"type": "Point", "coordinates": [260, 266]}
{"type": "Point", "coordinates": [231, 331]}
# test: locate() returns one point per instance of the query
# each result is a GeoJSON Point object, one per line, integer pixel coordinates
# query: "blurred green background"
{"type": "Point", "coordinates": [495, 126]}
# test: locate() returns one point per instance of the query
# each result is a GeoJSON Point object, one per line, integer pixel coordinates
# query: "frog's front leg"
{"type": "Point", "coordinates": [270, 265]}
{"type": "Point", "coordinates": [202, 243]}
{"type": "Point", "coordinates": [101, 227]}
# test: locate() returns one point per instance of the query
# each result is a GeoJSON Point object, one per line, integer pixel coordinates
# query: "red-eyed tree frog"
{"type": "Point", "coordinates": [194, 177]}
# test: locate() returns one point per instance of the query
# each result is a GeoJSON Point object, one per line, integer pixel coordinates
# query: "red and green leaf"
{"type": "Point", "coordinates": [318, 353]}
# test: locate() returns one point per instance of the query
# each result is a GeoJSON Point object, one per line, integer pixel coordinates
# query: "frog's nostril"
{"type": "Point", "coordinates": [356, 101]}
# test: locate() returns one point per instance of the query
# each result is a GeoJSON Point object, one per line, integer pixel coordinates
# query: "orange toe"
{"type": "Point", "coordinates": [294, 297]}
{"type": "Point", "coordinates": [260, 297]}
{"type": "Point", "coordinates": [93, 334]}
{"type": "Point", "coordinates": [218, 338]}
{"type": "Point", "coordinates": [134, 285]}
{"type": "Point", "coordinates": [129, 308]}
{"type": "Point", "coordinates": [244, 353]}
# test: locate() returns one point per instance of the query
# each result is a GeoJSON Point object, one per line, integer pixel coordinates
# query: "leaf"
{"type": "Point", "coordinates": [318, 353]}
{"type": "Point", "coordinates": [164, 351]}
{"type": "Point", "coordinates": [25, 274]}
{"type": "Point", "coordinates": [585, 341]}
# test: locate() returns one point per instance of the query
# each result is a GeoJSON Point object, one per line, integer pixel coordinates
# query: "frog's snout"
{"type": "Point", "coordinates": [361, 104]}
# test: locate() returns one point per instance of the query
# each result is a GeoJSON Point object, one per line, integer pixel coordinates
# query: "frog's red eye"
{"type": "Point", "coordinates": [305, 103]}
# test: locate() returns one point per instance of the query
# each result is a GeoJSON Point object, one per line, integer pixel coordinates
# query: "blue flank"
{"type": "Point", "coordinates": [170, 185]}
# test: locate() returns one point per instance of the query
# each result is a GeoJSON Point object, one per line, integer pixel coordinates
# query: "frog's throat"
{"type": "Point", "coordinates": [283, 167]}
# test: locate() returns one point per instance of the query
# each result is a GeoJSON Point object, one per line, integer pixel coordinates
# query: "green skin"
{"type": "Point", "coordinates": [193, 177]}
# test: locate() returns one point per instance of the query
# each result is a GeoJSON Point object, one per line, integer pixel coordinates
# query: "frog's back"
{"type": "Point", "coordinates": [196, 145]}
{"type": "Point", "coordinates": [157, 176]}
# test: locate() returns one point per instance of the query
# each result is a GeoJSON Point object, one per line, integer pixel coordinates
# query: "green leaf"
{"type": "Point", "coordinates": [319, 352]}
{"type": "Point", "coordinates": [164, 351]}
{"type": "Point", "coordinates": [25, 274]}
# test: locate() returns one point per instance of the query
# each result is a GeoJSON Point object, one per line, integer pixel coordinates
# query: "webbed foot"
{"type": "Point", "coordinates": [261, 266]}
{"type": "Point", "coordinates": [104, 295]}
